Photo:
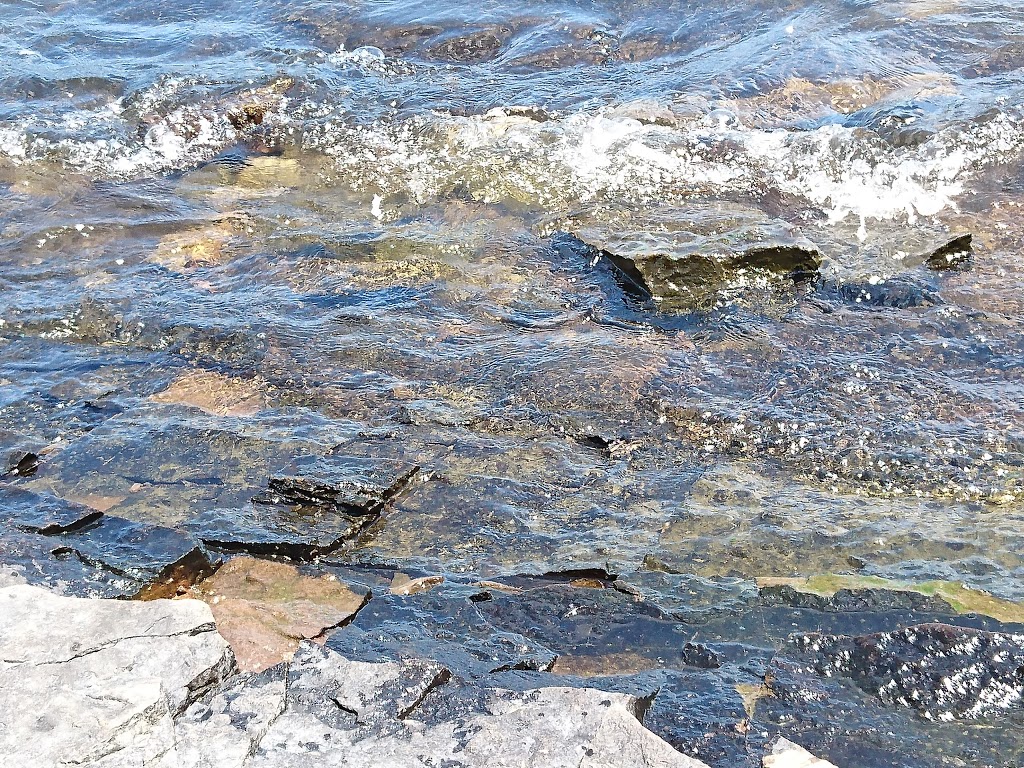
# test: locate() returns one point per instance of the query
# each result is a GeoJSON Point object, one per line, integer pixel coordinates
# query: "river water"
{"type": "Point", "coordinates": [236, 234]}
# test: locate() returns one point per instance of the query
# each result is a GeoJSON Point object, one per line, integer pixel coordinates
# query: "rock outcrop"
{"type": "Point", "coordinates": [117, 684]}
{"type": "Point", "coordinates": [99, 682]}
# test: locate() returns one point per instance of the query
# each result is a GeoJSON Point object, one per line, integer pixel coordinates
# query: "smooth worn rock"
{"type": "Point", "coordinates": [944, 672]}
{"type": "Point", "coordinates": [786, 754]}
{"type": "Point", "coordinates": [214, 393]}
{"type": "Point", "coordinates": [112, 675]}
{"type": "Point", "coordinates": [263, 609]}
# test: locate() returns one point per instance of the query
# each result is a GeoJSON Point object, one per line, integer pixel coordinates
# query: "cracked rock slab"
{"type": "Point", "coordinates": [369, 726]}
{"type": "Point", "coordinates": [112, 674]}
{"type": "Point", "coordinates": [263, 609]}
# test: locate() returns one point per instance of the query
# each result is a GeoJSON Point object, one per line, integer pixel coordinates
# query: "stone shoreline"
{"type": "Point", "coordinates": [112, 684]}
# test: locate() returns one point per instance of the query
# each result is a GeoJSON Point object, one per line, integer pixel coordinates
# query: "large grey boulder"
{"type": "Point", "coordinates": [98, 682]}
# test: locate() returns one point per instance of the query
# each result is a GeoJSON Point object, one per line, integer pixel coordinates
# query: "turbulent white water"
{"type": "Point", "coordinates": [560, 161]}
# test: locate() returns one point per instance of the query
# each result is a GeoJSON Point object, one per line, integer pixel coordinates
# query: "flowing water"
{"type": "Point", "coordinates": [237, 234]}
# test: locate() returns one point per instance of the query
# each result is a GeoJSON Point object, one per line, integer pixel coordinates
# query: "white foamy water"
{"type": "Point", "coordinates": [555, 164]}
{"type": "Point", "coordinates": [841, 171]}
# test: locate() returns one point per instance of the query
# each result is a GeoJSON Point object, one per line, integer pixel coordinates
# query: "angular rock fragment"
{"type": "Point", "coordinates": [297, 532]}
{"type": "Point", "coordinates": [70, 546]}
{"type": "Point", "coordinates": [686, 267]}
{"type": "Point", "coordinates": [786, 754]}
{"type": "Point", "coordinates": [700, 656]}
{"type": "Point", "coordinates": [953, 255]}
{"type": "Point", "coordinates": [310, 508]}
{"type": "Point", "coordinates": [264, 609]}
{"type": "Point", "coordinates": [112, 675]}
{"type": "Point", "coordinates": [355, 485]}
{"type": "Point", "coordinates": [21, 463]}
{"type": "Point", "coordinates": [944, 672]}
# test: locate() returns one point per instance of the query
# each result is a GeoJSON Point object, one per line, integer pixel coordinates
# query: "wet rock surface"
{"type": "Point", "coordinates": [424, 387]}
{"type": "Point", "coordinates": [77, 549]}
{"type": "Point", "coordinates": [692, 265]}
{"type": "Point", "coordinates": [944, 672]}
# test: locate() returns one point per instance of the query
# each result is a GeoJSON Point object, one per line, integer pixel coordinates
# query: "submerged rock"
{"type": "Point", "coordinates": [953, 255]}
{"type": "Point", "coordinates": [98, 682]}
{"type": "Point", "coordinates": [944, 672]}
{"type": "Point", "coordinates": [68, 546]}
{"type": "Point", "coordinates": [353, 484]}
{"type": "Point", "coordinates": [214, 393]}
{"type": "Point", "coordinates": [310, 508]}
{"type": "Point", "coordinates": [690, 264]}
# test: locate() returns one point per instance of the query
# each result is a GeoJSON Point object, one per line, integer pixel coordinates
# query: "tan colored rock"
{"type": "Point", "coordinates": [269, 171]}
{"type": "Point", "coordinates": [194, 248]}
{"type": "Point", "coordinates": [214, 393]}
{"type": "Point", "coordinates": [402, 585]}
{"type": "Point", "coordinates": [786, 754]}
{"type": "Point", "coordinates": [624, 663]}
{"type": "Point", "coordinates": [264, 609]}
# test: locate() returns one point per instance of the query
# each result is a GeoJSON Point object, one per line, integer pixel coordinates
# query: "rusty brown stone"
{"type": "Point", "coordinates": [264, 609]}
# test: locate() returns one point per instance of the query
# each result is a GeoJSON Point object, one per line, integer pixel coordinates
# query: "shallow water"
{"type": "Point", "coordinates": [234, 236]}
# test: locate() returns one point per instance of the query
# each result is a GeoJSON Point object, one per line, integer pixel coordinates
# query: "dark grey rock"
{"type": "Point", "coordinates": [944, 672]}
{"type": "Point", "coordinates": [71, 547]}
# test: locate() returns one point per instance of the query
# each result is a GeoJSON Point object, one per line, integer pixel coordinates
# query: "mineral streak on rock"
{"type": "Point", "coordinates": [264, 609]}
{"type": "Point", "coordinates": [944, 672]}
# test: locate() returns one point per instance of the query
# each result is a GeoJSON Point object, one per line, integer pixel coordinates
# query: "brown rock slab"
{"type": "Point", "coordinates": [402, 584]}
{"type": "Point", "coordinates": [214, 393]}
{"type": "Point", "coordinates": [264, 609]}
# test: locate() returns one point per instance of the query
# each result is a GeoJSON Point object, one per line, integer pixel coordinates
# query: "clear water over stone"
{"type": "Point", "coordinates": [538, 251]}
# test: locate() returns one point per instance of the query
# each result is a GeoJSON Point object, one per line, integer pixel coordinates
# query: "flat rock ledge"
{"type": "Point", "coordinates": [111, 683]}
